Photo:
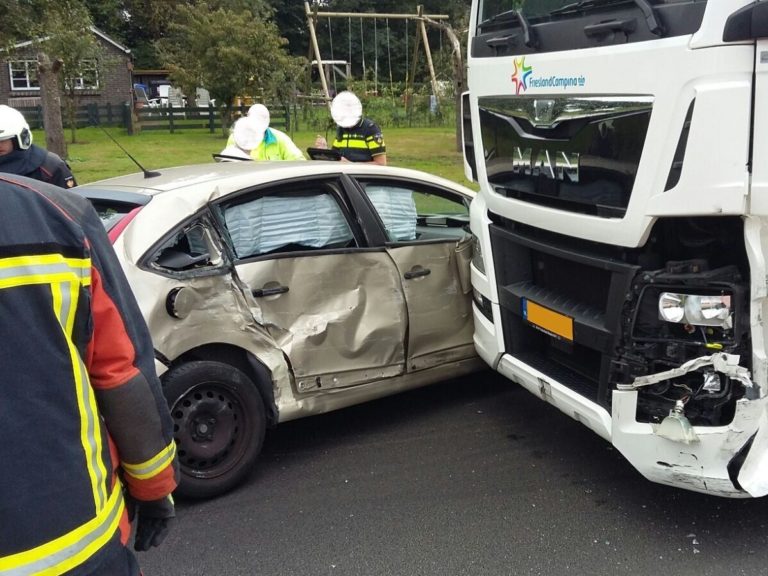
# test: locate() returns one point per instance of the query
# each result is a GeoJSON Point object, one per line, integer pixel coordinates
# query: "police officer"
{"type": "Point", "coordinates": [357, 139]}
{"type": "Point", "coordinates": [19, 156]}
{"type": "Point", "coordinates": [86, 430]}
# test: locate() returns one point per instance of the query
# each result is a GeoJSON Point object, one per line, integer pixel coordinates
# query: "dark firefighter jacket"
{"type": "Point", "coordinates": [80, 403]}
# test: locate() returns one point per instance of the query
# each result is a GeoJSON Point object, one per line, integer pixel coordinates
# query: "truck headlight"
{"type": "Point", "coordinates": [477, 254]}
{"type": "Point", "coordinates": [696, 310]}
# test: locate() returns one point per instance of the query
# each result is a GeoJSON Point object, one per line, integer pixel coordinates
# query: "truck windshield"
{"type": "Point", "coordinates": [490, 9]}
{"type": "Point", "coordinates": [519, 27]}
{"type": "Point", "coordinates": [493, 8]}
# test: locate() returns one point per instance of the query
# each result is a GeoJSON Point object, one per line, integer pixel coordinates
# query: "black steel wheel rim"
{"type": "Point", "coordinates": [211, 429]}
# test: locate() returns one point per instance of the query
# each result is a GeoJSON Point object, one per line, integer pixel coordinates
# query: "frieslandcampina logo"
{"type": "Point", "coordinates": [521, 75]}
{"type": "Point", "coordinates": [524, 79]}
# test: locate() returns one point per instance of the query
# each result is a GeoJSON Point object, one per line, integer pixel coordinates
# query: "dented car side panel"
{"type": "Point", "coordinates": [342, 320]}
{"type": "Point", "coordinates": [440, 323]}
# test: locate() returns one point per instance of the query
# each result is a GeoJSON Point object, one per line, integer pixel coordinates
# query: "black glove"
{"type": "Point", "coordinates": [154, 522]}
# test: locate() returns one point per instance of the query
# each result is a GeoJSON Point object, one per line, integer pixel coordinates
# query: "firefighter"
{"type": "Point", "coordinates": [19, 156]}
{"type": "Point", "coordinates": [86, 431]}
{"type": "Point", "coordinates": [358, 139]}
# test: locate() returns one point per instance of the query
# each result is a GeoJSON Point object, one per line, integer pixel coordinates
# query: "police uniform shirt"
{"type": "Point", "coordinates": [360, 143]}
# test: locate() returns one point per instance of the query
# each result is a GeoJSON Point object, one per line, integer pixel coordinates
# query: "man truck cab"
{"type": "Point", "coordinates": [619, 273]}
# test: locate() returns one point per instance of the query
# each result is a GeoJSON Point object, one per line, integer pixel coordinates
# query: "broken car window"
{"type": "Point", "coordinates": [189, 249]}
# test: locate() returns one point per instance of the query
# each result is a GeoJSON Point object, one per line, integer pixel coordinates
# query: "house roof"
{"type": "Point", "coordinates": [93, 29]}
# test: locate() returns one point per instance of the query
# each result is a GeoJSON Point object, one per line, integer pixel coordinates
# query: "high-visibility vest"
{"type": "Point", "coordinates": [360, 143]}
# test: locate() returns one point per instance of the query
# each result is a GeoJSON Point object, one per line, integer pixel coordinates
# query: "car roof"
{"type": "Point", "coordinates": [230, 176]}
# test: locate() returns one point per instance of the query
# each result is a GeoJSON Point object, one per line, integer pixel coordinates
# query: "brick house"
{"type": "Point", "coordinates": [110, 84]}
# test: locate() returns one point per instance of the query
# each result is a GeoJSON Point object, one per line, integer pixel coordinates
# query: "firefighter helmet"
{"type": "Point", "coordinates": [13, 125]}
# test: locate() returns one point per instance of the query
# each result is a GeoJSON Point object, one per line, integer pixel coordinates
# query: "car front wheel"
{"type": "Point", "coordinates": [219, 425]}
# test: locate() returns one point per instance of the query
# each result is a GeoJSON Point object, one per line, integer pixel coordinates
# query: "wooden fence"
{"type": "Point", "coordinates": [153, 118]}
{"type": "Point", "coordinates": [288, 118]}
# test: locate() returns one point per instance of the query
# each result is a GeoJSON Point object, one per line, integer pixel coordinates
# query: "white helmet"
{"type": "Point", "coordinates": [13, 125]}
{"type": "Point", "coordinates": [346, 109]}
{"type": "Point", "coordinates": [260, 112]}
{"type": "Point", "coordinates": [248, 132]}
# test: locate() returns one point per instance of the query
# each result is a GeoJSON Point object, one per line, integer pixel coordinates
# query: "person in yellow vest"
{"type": "Point", "coordinates": [262, 142]}
{"type": "Point", "coordinates": [86, 431]}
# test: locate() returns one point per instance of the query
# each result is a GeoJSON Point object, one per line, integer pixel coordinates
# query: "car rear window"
{"type": "Point", "coordinates": [111, 213]}
{"type": "Point", "coordinates": [112, 205]}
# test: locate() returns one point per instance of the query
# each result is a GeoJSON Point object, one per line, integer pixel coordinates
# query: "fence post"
{"type": "Point", "coordinates": [170, 116]}
{"type": "Point", "coordinates": [294, 118]}
{"type": "Point", "coordinates": [39, 117]}
{"type": "Point", "coordinates": [211, 119]}
{"type": "Point", "coordinates": [109, 113]}
{"type": "Point", "coordinates": [92, 114]}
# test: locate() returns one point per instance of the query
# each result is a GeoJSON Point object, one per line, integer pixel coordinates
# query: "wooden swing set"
{"type": "Point", "coordinates": [438, 20]}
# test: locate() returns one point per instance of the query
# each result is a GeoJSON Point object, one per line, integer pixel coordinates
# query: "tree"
{"type": "Point", "coordinates": [57, 30]}
{"type": "Point", "coordinates": [231, 53]}
{"type": "Point", "coordinates": [69, 39]}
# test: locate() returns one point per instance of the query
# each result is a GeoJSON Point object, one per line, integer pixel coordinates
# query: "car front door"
{"type": "Point", "coordinates": [426, 238]}
{"type": "Point", "coordinates": [332, 305]}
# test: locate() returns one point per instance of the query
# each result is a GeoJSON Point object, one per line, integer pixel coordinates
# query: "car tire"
{"type": "Point", "coordinates": [219, 424]}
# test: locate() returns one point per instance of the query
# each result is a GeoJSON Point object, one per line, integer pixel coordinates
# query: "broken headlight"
{"type": "Point", "coordinates": [696, 310]}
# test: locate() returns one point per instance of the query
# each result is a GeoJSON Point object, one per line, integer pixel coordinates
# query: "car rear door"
{"type": "Point", "coordinates": [427, 240]}
{"type": "Point", "coordinates": [333, 306]}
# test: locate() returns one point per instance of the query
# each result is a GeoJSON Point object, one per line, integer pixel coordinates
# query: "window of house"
{"type": "Point", "coordinates": [23, 75]}
{"type": "Point", "coordinates": [88, 78]}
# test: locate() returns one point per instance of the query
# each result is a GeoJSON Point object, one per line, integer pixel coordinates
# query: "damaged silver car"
{"type": "Point", "coordinates": [280, 290]}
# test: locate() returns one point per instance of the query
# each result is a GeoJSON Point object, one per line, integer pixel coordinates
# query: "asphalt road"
{"type": "Point", "coordinates": [470, 477]}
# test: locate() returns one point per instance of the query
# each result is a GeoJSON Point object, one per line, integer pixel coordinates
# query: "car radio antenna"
{"type": "Point", "coordinates": [147, 173]}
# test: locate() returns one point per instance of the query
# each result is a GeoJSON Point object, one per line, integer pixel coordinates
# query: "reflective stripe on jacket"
{"type": "Point", "coordinates": [360, 143]}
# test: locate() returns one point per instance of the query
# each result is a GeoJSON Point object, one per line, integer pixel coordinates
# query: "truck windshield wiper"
{"type": "Point", "coordinates": [582, 5]}
{"type": "Point", "coordinates": [645, 7]}
{"type": "Point", "coordinates": [509, 16]}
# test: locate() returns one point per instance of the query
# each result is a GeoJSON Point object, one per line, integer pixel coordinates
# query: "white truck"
{"type": "Point", "coordinates": [620, 269]}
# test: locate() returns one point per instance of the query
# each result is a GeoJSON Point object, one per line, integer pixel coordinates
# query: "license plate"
{"type": "Point", "coordinates": [549, 321]}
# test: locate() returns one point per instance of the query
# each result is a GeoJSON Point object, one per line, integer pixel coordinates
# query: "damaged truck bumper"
{"type": "Point", "coordinates": [713, 464]}
{"type": "Point", "coordinates": [729, 461]}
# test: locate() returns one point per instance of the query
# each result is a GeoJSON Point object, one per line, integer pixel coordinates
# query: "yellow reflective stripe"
{"type": "Point", "coordinates": [154, 465]}
{"type": "Point", "coordinates": [351, 143]}
{"type": "Point", "coordinates": [43, 269]}
{"type": "Point", "coordinates": [72, 549]}
{"type": "Point", "coordinates": [65, 276]}
{"type": "Point", "coordinates": [43, 259]}
{"type": "Point", "coordinates": [90, 430]}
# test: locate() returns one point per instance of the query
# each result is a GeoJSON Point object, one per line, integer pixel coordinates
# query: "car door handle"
{"type": "Point", "coordinates": [417, 272]}
{"type": "Point", "coordinates": [272, 291]}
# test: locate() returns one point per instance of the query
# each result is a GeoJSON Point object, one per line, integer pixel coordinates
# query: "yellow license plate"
{"type": "Point", "coordinates": [551, 322]}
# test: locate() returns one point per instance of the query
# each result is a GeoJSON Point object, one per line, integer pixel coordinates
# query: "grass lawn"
{"type": "Point", "coordinates": [95, 156]}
